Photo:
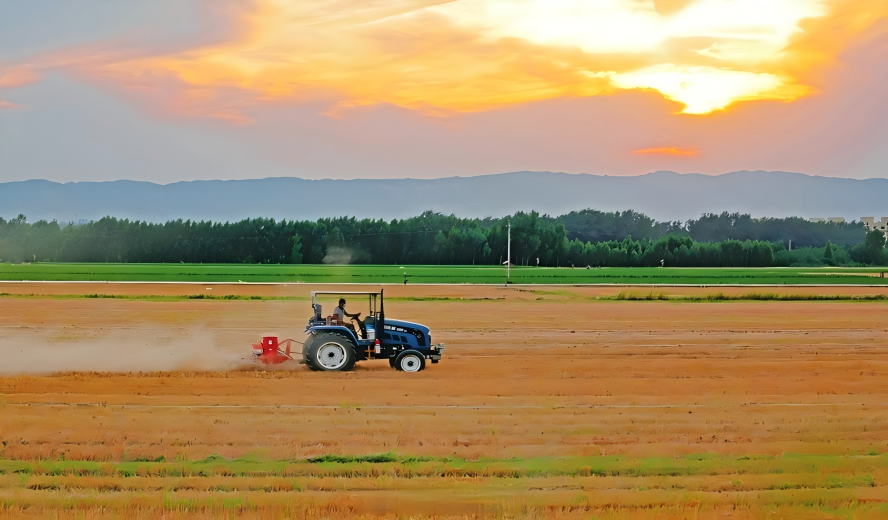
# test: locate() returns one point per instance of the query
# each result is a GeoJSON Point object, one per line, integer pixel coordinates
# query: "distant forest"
{"type": "Point", "coordinates": [580, 238]}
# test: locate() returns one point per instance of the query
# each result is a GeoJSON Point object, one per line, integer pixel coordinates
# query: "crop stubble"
{"type": "Point", "coordinates": [548, 374]}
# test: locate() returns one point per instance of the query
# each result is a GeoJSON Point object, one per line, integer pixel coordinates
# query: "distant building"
{"type": "Point", "coordinates": [817, 220]}
{"type": "Point", "coordinates": [870, 224]}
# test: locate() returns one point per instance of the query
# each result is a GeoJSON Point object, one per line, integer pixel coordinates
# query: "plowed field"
{"type": "Point", "coordinates": [550, 401]}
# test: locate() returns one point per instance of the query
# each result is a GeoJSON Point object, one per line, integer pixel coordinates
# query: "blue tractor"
{"type": "Point", "coordinates": [334, 346]}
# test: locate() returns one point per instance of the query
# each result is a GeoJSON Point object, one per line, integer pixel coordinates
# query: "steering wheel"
{"type": "Point", "coordinates": [357, 319]}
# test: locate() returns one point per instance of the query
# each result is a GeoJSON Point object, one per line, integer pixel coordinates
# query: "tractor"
{"type": "Point", "coordinates": [333, 346]}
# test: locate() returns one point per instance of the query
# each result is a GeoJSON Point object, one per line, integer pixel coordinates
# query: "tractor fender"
{"type": "Point", "coordinates": [337, 329]}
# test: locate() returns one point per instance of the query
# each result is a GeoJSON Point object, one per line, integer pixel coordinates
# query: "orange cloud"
{"type": "Point", "coordinates": [6, 105]}
{"type": "Point", "coordinates": [669, 150]}
{"type": "Point", "coordinates": [17, 77]}
{"type": "Point", "coordinates": [442, 56]}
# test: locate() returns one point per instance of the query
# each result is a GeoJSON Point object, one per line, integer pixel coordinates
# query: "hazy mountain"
{"type": "Point", "coordinates": [662, 195]}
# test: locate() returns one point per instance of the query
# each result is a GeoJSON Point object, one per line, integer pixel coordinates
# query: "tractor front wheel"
{"type": "Point", "coordinates": [410, 361]}
{"type": "Point", "coordinates": [330, 352]}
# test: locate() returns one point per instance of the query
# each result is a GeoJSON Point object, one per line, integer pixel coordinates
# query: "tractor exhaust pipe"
{"type": "Point", "coordinates": [380, 320]}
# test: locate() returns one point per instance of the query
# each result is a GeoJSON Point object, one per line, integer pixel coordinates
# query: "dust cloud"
{"type": "Point", "coordinates": [120, 351]}
{"type": "Point", "coordinates": [338, 255]}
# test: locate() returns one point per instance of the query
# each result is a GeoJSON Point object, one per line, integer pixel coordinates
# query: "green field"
{"type": "Point", "coordinates": [436, 274]}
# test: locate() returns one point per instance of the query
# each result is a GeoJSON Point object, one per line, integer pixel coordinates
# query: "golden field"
{"type": "Point", "coordinates": [550, 402]}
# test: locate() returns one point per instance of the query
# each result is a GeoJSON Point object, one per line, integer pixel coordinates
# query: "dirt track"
{"type": "Point", "coordinates": [528, 372]}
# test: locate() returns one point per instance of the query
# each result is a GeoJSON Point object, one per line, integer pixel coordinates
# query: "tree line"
{"type": "Point", "coordinates": [596, 226]}
{"type": "Point", "coordinates": [584, 238]}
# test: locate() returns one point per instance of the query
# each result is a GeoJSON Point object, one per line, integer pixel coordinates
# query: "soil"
{"type": "Point", "coordinates": [527, 372]}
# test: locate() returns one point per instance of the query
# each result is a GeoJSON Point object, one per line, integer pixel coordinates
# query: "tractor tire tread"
{"type": "Point", "coordinates": [310, 352]}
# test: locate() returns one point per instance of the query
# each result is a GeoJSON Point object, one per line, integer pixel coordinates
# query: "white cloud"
{"type": "Point", "coordinates": [593, 25]}
{"type": "Point", "coordinates": [748, 28]}
{"type": "Point", "coordinates": [744, 34]}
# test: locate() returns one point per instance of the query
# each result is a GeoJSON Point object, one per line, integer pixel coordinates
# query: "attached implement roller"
{"type": "Point", "coordinates": [269, 351]}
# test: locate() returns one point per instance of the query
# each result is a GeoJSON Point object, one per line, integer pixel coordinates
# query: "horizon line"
{"type": "Point", "coordinates": [670, 172]}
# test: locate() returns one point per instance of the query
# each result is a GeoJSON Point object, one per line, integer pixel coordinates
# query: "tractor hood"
{"type": "Point", "coordinates": [405, 325]}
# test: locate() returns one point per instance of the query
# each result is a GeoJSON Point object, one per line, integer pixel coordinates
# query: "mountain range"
{"type": "Point", "coordinates": [663, 195]}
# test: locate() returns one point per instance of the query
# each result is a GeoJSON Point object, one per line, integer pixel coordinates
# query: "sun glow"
{"type": "Point", "coordinates": [668, 150]}
{"type": "Point", "coordinates": [706, 89]}
{"type": "Point", "coordinates": [469, 55]}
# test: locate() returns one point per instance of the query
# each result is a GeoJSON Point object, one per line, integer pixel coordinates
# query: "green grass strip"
{"type": "Point", "coordinates": [851, 470]}
{"type": "Point", "coordinates": [721, 297]}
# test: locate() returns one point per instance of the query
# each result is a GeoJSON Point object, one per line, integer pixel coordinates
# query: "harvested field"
{"type": "Point", "coordinates": [550, 401]}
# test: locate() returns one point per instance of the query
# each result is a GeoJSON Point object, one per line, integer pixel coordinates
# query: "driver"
{"type": "Point", "coordinates": [340, 314]}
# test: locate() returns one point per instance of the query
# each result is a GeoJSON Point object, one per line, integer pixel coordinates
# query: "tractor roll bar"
{"type": "Point", "coordinates": [371, 298]}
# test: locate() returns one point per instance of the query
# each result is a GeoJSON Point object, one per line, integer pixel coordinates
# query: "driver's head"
{"type": "Point", "coordinates": [342, 302]}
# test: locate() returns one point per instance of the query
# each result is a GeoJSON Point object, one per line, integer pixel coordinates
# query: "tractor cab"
{"type": "Point", "coordinates": [362, 328]}
{"type": "Point", "coordinates": [335, 345]}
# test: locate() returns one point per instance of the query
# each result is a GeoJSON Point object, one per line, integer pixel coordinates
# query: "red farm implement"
{"type": "Point", "coordinates": [271, 352]}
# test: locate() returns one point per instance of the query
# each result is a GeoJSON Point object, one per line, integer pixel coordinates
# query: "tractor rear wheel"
{"type": "Point", "coordinates": [306, 349]}
{"type": "Point", "coordinates": [330, 352]}
{"type": "Point", "coordinates": [410, 361]}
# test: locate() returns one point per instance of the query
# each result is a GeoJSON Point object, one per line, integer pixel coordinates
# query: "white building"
{"type": "Point", "coordinates": [831, 220]}
{"type": "Point", "coordinates": [870, 224]}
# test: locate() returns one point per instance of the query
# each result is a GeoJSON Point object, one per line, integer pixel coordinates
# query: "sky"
{"type": "Point", "coordinates": [172, 90]}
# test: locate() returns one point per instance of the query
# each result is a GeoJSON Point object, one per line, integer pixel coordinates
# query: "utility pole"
{"type": "Point", "coordinates": [509, 252]}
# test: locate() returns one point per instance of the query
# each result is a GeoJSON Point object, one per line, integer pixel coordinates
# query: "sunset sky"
{"type": "Point", "coordinates": [168, 90]}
